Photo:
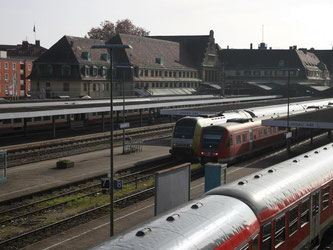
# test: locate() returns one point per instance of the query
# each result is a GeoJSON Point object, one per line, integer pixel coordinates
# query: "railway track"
{"type": "Point", "coordinates": [34, 152]}
{"type": "Point", "coordinates": [25, 222]}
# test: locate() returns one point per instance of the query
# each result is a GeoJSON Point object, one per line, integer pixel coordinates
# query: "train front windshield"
{"type": "Point", "coordinates": [185, 128]}
{"type": "Point", "coordinates": [211, 139]}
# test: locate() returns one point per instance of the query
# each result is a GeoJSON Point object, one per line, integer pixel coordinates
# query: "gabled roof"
{"type": "Point", "coordinates": [193, 48]}
{"type": "Point", "coordinates": [326, 56]}
{"type": "Point", "coordinates": [70, 49]}
{"type": "Point", "coordinates": [308, 59]}
{"type": "Point", "coordinates": [253, 58]}
{"type": "Point", "coordinates": [146, 50]}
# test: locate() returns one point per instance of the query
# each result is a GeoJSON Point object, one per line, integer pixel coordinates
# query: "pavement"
{"type": "Point", "coordinates": [34, 177]}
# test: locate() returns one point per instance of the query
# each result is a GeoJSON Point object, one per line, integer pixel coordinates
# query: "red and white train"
{"type": "Point", "coordinates": [286, 206]}
{"type": "Point", "coordinates": [237, 138]}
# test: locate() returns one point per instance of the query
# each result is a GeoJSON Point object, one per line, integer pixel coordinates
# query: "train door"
{"type": "Point", "coordinates": [251, 140]}
{"type": "Point", "coordinates": [315, 215]}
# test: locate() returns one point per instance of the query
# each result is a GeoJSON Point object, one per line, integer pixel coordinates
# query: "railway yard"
{"type": "Point", "coordinates": [44, 207]}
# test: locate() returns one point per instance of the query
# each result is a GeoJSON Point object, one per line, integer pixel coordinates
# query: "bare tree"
{"type": "Point", "coordinates": [108, 29]}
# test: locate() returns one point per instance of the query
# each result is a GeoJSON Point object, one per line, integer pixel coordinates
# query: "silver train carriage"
{"type": "Point", "coordinates": [286, 206]}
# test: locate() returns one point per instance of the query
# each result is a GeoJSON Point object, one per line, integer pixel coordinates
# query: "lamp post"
{"type": "Point", "coordinates": [110, 47]}
{"type": "Point", "coordinates": [288, 135]}
{"type": "Point", "coordinates": [125, 67]}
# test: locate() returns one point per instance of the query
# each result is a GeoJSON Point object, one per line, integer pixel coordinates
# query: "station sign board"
{"type": "Point", "coordinates": [118, 184]}
{"type": "Point", "coordinates": [124, 125]}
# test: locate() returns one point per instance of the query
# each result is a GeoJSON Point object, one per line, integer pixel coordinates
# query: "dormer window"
{"type": "Point", "coordinates": [94, 71]}
{"type": "Point", "coordinates": [159, 60]}
{"type": "Point", "coordinates": [49, 70]}
{"type": "Point", "coordinates": [65, 70]}
{"type": "Point", "coordinates": [105, 57]}
{"type": "Point", "coordinates": [86, 55]}
{"type": "Point", "coordinates": [103, 71]}
{"type": "Point", "coordinates": [86, 70]}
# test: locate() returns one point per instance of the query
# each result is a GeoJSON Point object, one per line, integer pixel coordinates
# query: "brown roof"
{"type": "Point", "coordinates": [69, 50]}
{"type": "Point", "coordinates": [193, 48]}
{"type": "Point", "coordinates": [253, 58]}
{"type": "Point", "coordinates": [146, 50]}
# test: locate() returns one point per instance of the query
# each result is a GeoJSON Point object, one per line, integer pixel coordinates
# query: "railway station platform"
{"type": "Point", "coordinates": [34, 177]}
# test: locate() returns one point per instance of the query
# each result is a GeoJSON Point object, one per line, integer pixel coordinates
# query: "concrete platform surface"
{"type": "Point", "coordinates": [30, 178]}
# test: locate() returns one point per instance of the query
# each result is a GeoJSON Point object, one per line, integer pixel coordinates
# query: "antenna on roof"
{"type": "Point", "coordinates": [262, 31]}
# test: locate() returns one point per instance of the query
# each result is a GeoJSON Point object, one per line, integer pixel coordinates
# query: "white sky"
{"type": "Point", "coordinates": [237, 23]}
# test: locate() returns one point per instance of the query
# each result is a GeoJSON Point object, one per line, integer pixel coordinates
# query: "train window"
{"type": "Point", "coordinates": [274, 129]}
{"type": "Point", "coordinates": [251, 135]}
{"type": "Point", "coordinates": [260, 133]}
{"type": "Point", "coordinates": [7, 121]}
{"type": "Point", "coordinates": [244, 137]}
{"type": "Point", "coordinates": [62, 117]}
{"type": "Point", "coordinates": [255, 243]}
{"type": "Point", "coordinates": [280, 229]}
{"type": "Point", "coordinates": [305, 212]}
{"type": "Point", "coordinates": [265, 131]}
{"type": "Point", "coordinates": [293, 220]}
{"type": "Point", "coordinates": [238, 139]}
{"type": "Point", "coordinates": [267, 236]}
{"type": "Point", "coordinates": [47, 118]}
{"type": "Point", "coordinates": [325, 195]}
{"type": "Point", "coordinates": [246, 247]}
{"type": "Point", "coordinates": [18, 120]}
{"type": "Point", "coordinates": [28, 119]}
{"type": "Point", "coordinates": [230, 141]}
{"type": "Point", "coordinates": [270, 131]}
{"type": "Point", "coordinates": [37, 119]}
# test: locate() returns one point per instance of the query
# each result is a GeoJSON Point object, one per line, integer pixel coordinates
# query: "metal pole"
{"type": "Point", "coordinates": [123, 111]}
{"type": "Point", "coordinates": [103, 123]}
{"type": "Point", "coordinates": [54, 127]}
{"type": "Point", "coordinates": [25, 127]}
{"type": "Point", "coordinates": [111, 147]}
{"type": "Point", "coordinates": [288, 128]}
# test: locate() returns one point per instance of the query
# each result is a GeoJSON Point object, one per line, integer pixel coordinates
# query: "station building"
{"type": "Point", "coordinates": [163, 65]}
{"type": "Point", "coordinates": [174, 65]}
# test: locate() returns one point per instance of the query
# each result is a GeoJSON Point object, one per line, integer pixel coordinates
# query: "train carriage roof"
{"type": "Point", "coordinates": [203, 225]}
{"type": "Point", "coordinates": [270, 191]}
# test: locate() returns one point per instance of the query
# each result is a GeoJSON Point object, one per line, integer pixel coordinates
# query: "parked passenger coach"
{"type": "Point", "coordinates": [286, 206]}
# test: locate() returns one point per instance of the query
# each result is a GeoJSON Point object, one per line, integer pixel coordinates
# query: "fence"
{"type": "Point", "coordinates": [3, 166]}
{"type": "Point", "coordinates": [132, 146]}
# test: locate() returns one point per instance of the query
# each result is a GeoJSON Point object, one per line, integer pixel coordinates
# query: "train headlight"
{"type": "Point", "coordinates": [202, 153]}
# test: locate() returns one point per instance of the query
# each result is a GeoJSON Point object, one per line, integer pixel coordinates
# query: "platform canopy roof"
{"type": "Point", "coordinates": [320, 119]}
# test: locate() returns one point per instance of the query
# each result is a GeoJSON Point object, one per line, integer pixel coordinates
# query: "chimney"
{"type": "Point", "coordinates": [227, 46]}
{"type": "Point", "coordinates": [251, 46]}
{"type": "Point", "coordinates": [25, 44]}
{"type": "Point", "coordinates": [290, 47]}
{"type": "Point", "coordinates": [270, 48]}
{"type": "Point", "coordinates": [38, 43]}
{"type": "Point", "coordinates": [294, 47]}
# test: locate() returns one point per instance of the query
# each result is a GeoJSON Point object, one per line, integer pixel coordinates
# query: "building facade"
{"type": "Point", "coordinates": [15, 67]}
{"type": "Point", "coordinates": [70, 68]}
{"type": "Point", "coordinates": [242, 67]}
{"type": "Point", "coordinates": [163, 65]}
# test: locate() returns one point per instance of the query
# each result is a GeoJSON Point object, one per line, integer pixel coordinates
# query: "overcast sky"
{"type": "Point", "coordinates": [237, 23]}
